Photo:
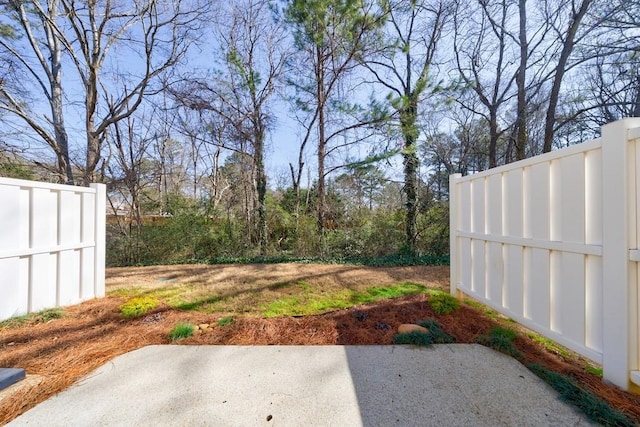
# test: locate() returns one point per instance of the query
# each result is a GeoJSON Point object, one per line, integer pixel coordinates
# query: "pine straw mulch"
{"type": "Point", "coordinates": [66, 349]}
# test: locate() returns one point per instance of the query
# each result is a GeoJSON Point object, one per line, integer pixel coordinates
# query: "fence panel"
{"type": "Point", "coordinates": [51, 245]}
{"type": "Point", "coordinates": [557, 236]}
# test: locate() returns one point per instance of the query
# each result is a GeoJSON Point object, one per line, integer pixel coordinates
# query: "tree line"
{"type": "Point", "coordinates": [174, 105]}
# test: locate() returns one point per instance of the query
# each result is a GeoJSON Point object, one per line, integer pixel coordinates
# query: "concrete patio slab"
{"type": "Point", "coordinates": [446, 385]}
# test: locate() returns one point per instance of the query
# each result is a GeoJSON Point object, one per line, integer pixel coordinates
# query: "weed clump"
{"type": "Point", "coordinates": [501, 339]}
{"type": "Point", "coordinates": [181, 331]}
{"type": "Point", "coordinates": [43, 316]}
{"type": "Point", "coordinates": [225, 321]}
{"type": "Point", "coordinates": [138, 306]}
{"type": "Point", "coordinates": [435, 335]}
{"type": "Point", "coordinates": [593, 407]}
{"type": "Point", "coordinates": [442, 303]}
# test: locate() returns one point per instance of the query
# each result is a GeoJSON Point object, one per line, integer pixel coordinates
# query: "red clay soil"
{"type": "Point", "coordinates": [64, 350]}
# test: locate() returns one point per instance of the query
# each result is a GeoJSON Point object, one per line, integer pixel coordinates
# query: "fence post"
{"type": "Point", "coordinates": [100, 239]}
{"type": "Point", "coordinates": [620, 341]}
{"type": "Point", "coordinates": [454, 214]}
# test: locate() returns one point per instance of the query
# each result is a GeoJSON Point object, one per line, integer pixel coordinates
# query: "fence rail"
{"type": "Point", "coordinates": [52, 244]}
{"type": "Point", "coordinates": [552, 242]}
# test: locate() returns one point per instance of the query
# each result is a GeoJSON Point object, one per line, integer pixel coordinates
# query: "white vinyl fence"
{"type": "Point", "coordinates": [552, 242]}
{"type": "Point", "coordinates": [52, 243]}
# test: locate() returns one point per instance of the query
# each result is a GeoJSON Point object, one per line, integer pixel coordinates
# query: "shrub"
{"type": "Point", "coordinates": [138, 306]}
{"type": "Point", "coordinates": [43, 316]}
{"type": "Point", "coordinates": [181, 331]}
{"type": "Point", "coordinates": [444, 303]}
{"type": "Point", "coordinates": [433, 226]}
{"type": "Point", "coordinates": [435, 335]}
{"type": "Point", "coordinates": [225, 321]}
{"type": "Point", "coordinates": [500, 339]}
{"type": "Point", "coordinates": [49, 314]}
{"type": "Point", "coordinates": [592, 406]}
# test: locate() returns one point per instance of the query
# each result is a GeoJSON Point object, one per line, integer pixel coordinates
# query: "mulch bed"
{"type": "Point", "coordinates": [64, 350]}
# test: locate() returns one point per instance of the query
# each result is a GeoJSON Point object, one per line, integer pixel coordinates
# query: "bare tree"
{"type": "Point", "coordinates": [242, 91]}
{"type": "Point", "coordinates": [97, 38]}
{"type": "Point", "coordinates": [482, 44]}
{"type": "Point", "coordinates": [256, 54]}
{"type": "Point", "coordinates": [613, 76]}
{"type": "Point", "coordinates": [521, 82]}
{"type": "Point", "coordinates": [567, 38]}
{"type": "Point", "coordinates": [42, 69]}
{"type": "Point", "coordinates": [129, 171]}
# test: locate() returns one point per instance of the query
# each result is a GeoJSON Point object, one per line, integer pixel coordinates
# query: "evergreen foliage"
{"type": "Point", "coordinates": [435, 335]}
{"type": "Point", "coordinates": [591, 405]}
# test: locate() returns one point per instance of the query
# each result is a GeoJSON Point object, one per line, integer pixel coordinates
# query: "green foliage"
{"type": "Point", "coordinates": [595, 370]}
{"type": "Point", "coordinates": [433, 229]}
{"type": "Point", "coordinates": [549, 344]}
{"type": "Point", "coordinates": [181, 331]}
{"type": "Point", "coordinates": [592, 406]}
{"type": "Point", "coordinates": [138, 306]}
{"type": "Point", "coordinates": [444, 303]}
{"type": "Point", "coordinates": [359, 236]}
{"type": "Point", "coordinates": [435, 335]}
{"type": "Point", "coordinates": [7, 31]}
{"type": "Point", "coordinates": [225, 321]}
{"type": "Point", "coordinates": [384, 261]}
{"type": "Point", "coordinates": [319, 22]}
{"type": "Point", "coordinates": [305, 239]}
{"type": "Point", "coordinates": [184, 237]}
{"type": "Point", "coordinates": [311, 302]}
{"type": "Point", "coordinates": [16, 170]}
{"type": "Point", "coordinates": [43, 316]}
{"type": "Point", "coordinates": [489, 312]}
{"type": "Point", "coordinates": [501, 339]}
{"type": "Point", "coordinates": [413, 338]}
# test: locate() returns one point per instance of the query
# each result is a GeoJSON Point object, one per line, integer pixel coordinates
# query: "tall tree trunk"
{"type": "Point", "coordinates": [521, 120]}
{"type": "Point", "coordinates": [93, 140]}
{"type": "Point", "coordinates": [60, 133]}
{"type": "Point", "coordinates": [410, 160]}
{"type": "Point", "coordinates": [561, 68]}
{"type": "Point", "coordinates": [320, 93]}
{"type": "Point", "coordinates": [493, 137]}
{"type": "Point", "coordinates": [635, 108]}
{"type": "Point", "coordinates": [261, 188]}
{"type": "Point", "coordinates": [55, 80]}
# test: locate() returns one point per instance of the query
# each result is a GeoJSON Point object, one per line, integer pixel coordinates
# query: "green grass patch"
{"type": "Point", "coordinates": [170, 295]}
{"type": "Point", "coordinates": [491, 313]}
{"type": "Point", "coordinates": [444, 303]}
{"type": "Point", "coordinates": [304, 286]}
{"type": "Point", "coordinates": [435, 335]}
{"type": "Point", "coordinates": [591, 405]}
{"type": "Point", "coordinates": [181, 331]}
{"type": "Point", "coordinates": [194, 297]}
{"type": "Point", "coordinates": [175, 296]}
{"type": "Point", "coordinates": [138, 306]}
{"type": "Point", "coordinates": [549, 344]}
{"type": "Point", "coordinates": [197, 304]}
{"type": "Point", "coordinates": [43, 316]}
{"type": "Point", "coordinates": [501, 339]}
{"type": "Point", "coordinates": [126, 292]}
{"type": "Point", "coordinates": [595, 370]}
{"type": "Point", "coordinates": [225, 321]}
{"type": "Point", "coordinates": [312, 302]}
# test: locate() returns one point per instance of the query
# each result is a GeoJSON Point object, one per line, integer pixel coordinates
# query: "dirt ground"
{"type": "Point", "coordinates": [63, 350]}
